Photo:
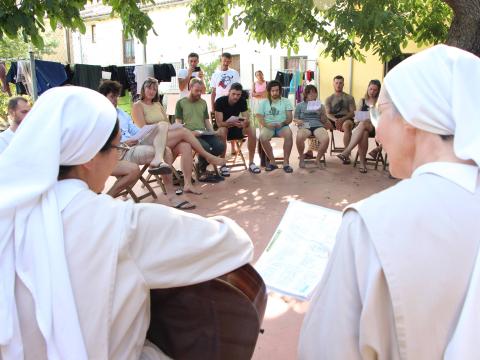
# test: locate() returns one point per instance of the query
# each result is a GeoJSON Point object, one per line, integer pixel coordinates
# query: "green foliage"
{"type": "Point", "coordinates": [208, 70]}
{"type": "Point", "coordinates": [346, 28]}
{"type": "Point", "coordinates": [17, 48]}
{"type": "Point", "coordinates": [28, 17]}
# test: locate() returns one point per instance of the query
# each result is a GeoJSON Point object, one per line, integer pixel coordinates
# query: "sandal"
{"type": "Point", "coordinates": [225, 171]}
{"type": "Point", "coordinates": [363, 170]}
{"type": "Point", "coordinates": [271, 167]}
{"type": "Point", "coordinates": [160, 169]}
{"type": "Point", "coordinates": [345, 159]}
{"type": "Point", "coordinates": [288, 169]}
{"type": "Point", "coordinates": [254, 169]}
{"type": "Point", "coordinates": [185, 205]}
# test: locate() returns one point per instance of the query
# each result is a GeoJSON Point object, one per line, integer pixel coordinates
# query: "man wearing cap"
{"type": "Point", "coordinates": [403, 281]}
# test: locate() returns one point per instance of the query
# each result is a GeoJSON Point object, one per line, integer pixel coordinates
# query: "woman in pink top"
{"type": "Point", "coordinates": [259, 87]}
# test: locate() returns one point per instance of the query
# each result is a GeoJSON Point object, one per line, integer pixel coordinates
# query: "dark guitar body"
{"type": "Point", "coordinates": [217, 319]}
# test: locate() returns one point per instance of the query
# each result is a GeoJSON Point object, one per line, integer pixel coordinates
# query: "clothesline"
{"type": "Point", "coordinates": [40, 75]}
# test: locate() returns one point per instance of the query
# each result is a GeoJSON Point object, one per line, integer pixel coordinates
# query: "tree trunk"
{"type": "Point", "coordinates": [464, 31]}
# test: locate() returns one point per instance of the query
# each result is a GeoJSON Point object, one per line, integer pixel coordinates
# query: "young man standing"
{"type": "Point", "coordinates": [223, 79]}
{"type": "Point", "coordinates": [192, 71]}
{"type": "Point", "coordinates": [232, 117]}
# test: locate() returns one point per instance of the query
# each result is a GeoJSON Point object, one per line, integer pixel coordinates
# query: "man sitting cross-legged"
{"type": "Point", "coordinates": [192, 111]}
{"type": "Point", "coordinates": [232, 117]}
{"type": "Point", "coordinates": [275, 114]}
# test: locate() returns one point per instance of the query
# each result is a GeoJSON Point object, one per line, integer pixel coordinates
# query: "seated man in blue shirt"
{"type": "Point", "coordinates": [148, 149]}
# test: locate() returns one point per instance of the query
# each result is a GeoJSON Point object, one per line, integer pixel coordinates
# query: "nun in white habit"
{"type": "Point", "coordinates": [76, 267]}
{"type": "Point", "coordinates": [404, 279]}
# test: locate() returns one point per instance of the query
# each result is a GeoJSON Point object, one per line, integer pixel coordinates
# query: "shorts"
{"type": "Point", "coordinates": [235, 133]}
{"type": "Point", "coordinates": [333, 123]}
{"type": "Point", "coordinates": [267, 134]}
{"type": "Point", "coordinates": [140, 154]}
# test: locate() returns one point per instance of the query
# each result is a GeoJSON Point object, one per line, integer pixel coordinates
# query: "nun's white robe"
{"type": "Point", "coordinates": [116, 252]}
{"type": "Point", "coordinates": [397, 279]}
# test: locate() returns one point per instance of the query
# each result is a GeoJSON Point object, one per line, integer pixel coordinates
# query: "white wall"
{"type": "Point", "coordinates": [173, 42]}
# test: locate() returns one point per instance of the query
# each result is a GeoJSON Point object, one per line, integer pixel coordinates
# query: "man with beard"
{"type": "Point", "coordinates": [274, 115]}
{"type": "Point", "coordinates": [18, 108]}
{"type": "Point", "coordinates": [192, 111]}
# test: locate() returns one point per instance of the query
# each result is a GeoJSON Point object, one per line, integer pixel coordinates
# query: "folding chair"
{"type": "Point", "coordinates": [156, 178]}
{"type": "Point", "coordinates": [372, 160]}
{"type": "Point", "coordinates": [333, 147]}
{"type": "Point", "coordinates": [133, 195]}
{"type": "Point", "coordinates": [238, 153]}
{"type": "Point", "coordinates": [322, 159]}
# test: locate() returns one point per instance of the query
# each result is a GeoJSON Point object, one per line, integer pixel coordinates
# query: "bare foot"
{"type": "Point", "coordinates": [215, 160]}
{"type": "Point", "coordinates": [191, 190]}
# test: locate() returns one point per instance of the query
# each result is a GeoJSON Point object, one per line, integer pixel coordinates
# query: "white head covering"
{"type": "Point", "coordinates": [437, 91]}
{"type": "Point", "coordinates": [66, 126]}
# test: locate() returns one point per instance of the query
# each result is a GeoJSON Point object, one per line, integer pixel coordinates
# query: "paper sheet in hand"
{"type": "Point", "coordinates": [143, 132]}
{"type": "Point", "coordinates": [295, 259]}
{"type": "Point", "coordinates": [362, 115]}
{"type": "Point", "coordinates": [313, 105]}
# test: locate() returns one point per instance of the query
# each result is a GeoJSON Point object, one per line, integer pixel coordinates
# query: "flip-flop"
{"type": "Point", "coordinates": [224, 171]}
{"type": "Point", "coordinates": [288, 169]}
{"type": "Point", "coordinates": [185, 205]}
{"type": "Point", "coordinates": [271, 167]}
{"type": "Point", "coordinates": [160, 169]}
{"type": "Point", "coordinates": [363, 170]}
{"type": "Point", "coordinates": [345, 159]}
{"type": "Point", "coordinates": [254, 169]}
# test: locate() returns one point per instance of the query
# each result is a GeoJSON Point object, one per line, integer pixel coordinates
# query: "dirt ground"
{"type": "Point", "coordinates": [257, 203]}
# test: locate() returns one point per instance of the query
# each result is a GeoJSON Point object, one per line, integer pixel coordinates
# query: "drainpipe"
{"type": "Point", "coordinates": [145, 52]}
{"type": "Point", "coordinates": [351, 76]}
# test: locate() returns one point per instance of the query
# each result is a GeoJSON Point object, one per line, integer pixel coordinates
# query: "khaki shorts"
{"type": "Point", "coordinates": [140, 154]}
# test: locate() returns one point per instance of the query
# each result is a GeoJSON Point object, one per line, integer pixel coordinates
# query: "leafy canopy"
{"type": "Point", "coordinates": [28, 18]}
{"type": "Point", "coordinates": [345, 27]}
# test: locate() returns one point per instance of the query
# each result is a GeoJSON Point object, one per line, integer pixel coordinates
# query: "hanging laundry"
{"type": "Point", "coordinates": [309, 75]}
{"type": "Point", "coordinates": [164, 72]}
{"type": "Point", "coordinates": [24, 75]}
{"type": "Point", "coordinates": [142, 72]}
{"type": "Point", "coordinates": [284, 79]}
{"type": "Point", "coordinates": [88, 76]}
{"type": "Point", "coordinates": [117, 73]}
{"type": "Point", "coordinates": [12, 78]}
{"type": "Point", "coordinates": [132, 83]}
{"type": "Point", "coordinates": [49, 74]}
{"type": "Point", "coordinates": [3, 79]}
{"type": "Point", "coordinates": [122, 78]}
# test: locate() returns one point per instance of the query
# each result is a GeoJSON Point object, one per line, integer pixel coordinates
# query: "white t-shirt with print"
{"type": "Point", "coordinates": [222, 80]}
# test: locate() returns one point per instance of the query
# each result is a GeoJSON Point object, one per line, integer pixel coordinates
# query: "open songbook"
{"type": "Point", "coordinates": [297, 255]}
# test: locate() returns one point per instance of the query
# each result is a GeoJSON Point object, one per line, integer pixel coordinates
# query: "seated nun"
{"type": "Point", "coordinates": [403, 281]}
{"type": "Point", "coordinates": [76, 267]}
